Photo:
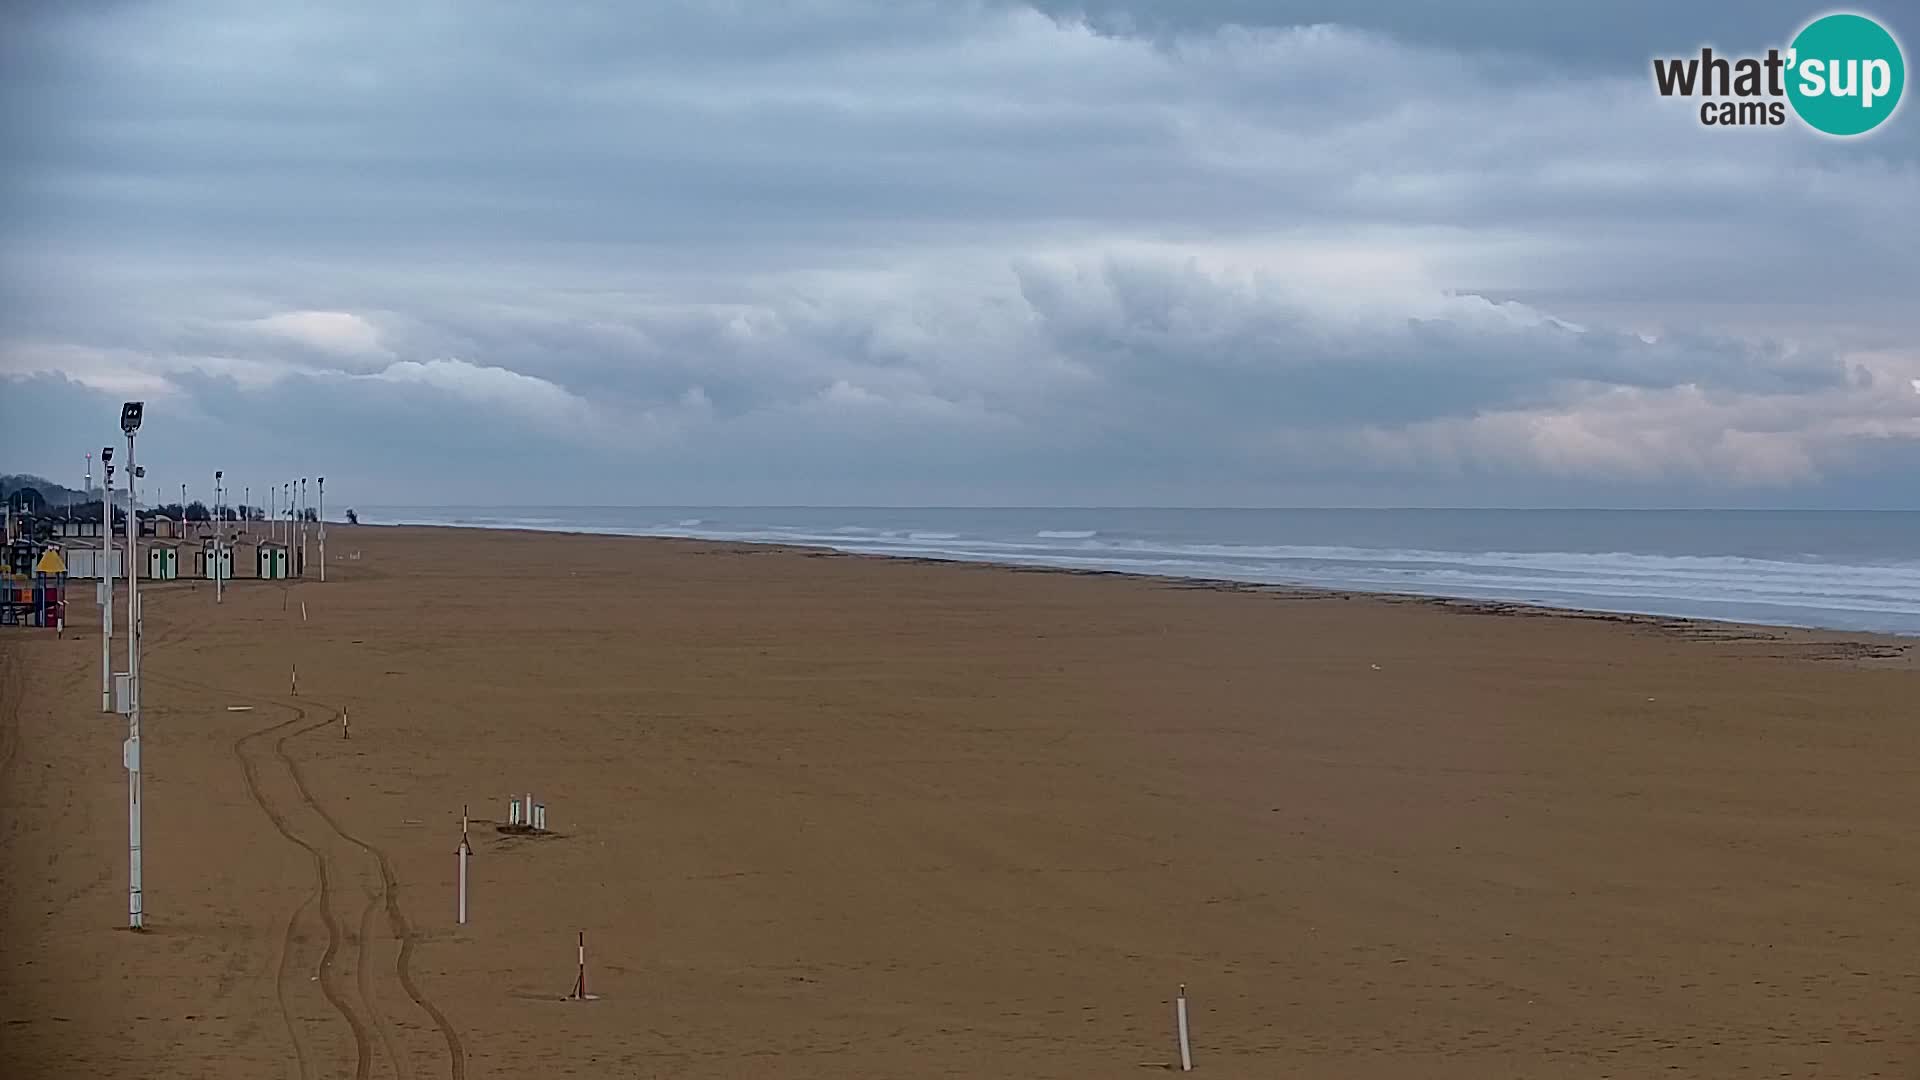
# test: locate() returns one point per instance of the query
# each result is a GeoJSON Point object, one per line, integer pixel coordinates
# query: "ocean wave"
{"type": "Point", "coordinates": [1854, 592]}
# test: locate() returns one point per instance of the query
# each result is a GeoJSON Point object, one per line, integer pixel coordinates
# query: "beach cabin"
{"type": "Point", "coordinates": [270, 560]}
{"type": "Point", "coordinates": [71, 529]}
{"type": "Point", "coordinates": [209, 566]}
{"type": "Point", "coordinates": [163, 562]}
{"type": "Point", "coordinates": [93, 562]}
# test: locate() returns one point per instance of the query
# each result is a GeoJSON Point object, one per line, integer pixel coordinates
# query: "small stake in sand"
{"type": "Point", "coordinates": [579, 991]}
{"type": "Point", "coordinates": [465, 849]}
{"type": "Point", "coordinates": [303, 611]}
{"type": "Point", "coordinates": [346, 732]}
{"type": "Point", "coordinates": [293, 688]}
{"type": "Point", "coordinates": [1180, 1021]}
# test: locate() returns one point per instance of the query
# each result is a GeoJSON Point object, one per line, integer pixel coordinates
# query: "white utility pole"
{"type": "Point", "coordinates": [323, 528]}
{"type": "Point", "coordinates": [303, 526]}
{"type": "Point", "coordinates": [107, 552]}
{"type": "Point", "coordinates": [130, 416]}
{"type": "Point", "coordinates": [219, 536]}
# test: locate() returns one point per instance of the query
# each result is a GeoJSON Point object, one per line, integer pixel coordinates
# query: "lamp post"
{"type": "Point", "coordinates": [107, 551]}
{"type": "Point", "coordinates": [130, 417]}
{"type": "Point", "coordinates": [219, 536]}
{"type": "Point", "coordinates": [303, 526]}
{"type": "Point", "coordinates": [323, 529]}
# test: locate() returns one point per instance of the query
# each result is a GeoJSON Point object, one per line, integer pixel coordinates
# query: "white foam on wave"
{"type": "Point", "coordinates": [1067, 534]}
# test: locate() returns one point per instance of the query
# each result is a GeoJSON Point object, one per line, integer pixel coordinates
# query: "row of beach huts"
{"type": "Point", "coordinates": [169, 560]}
{"type": "Point", "coordinates": [167, 553]}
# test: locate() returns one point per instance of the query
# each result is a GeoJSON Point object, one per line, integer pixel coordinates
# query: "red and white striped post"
{"type": "Point", "coordinates": [580, 979]}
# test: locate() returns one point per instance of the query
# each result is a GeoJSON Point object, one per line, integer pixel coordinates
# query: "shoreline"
{"type": "Point", "coordinates": [1901, 650]}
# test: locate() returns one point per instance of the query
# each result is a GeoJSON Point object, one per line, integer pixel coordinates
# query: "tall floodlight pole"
{"type": "Point", "coordinates": [219, 538]}
{"type": "Point", "coordinates": [107, 551]}
{"type": "Point", "coordinates": [323, 529]}
{"type": "Point", "coordinates": [303, 526]}
{"type": "Point", "coordinates": [130, 416]}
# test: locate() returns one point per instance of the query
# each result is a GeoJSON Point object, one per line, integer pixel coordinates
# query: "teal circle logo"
{"type": "Point", "coordinates": [1845, 74]}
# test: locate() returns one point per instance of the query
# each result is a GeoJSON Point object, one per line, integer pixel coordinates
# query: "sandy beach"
{"type": "Point", "coordinates": [832, 816]}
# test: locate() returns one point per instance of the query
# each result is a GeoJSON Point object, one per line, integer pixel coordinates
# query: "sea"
{"type": "Point", "coordinates": [1841, 570]}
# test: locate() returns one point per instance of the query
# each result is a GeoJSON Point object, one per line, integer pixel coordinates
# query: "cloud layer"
{"type": "Point", "coordinates": [917, 252]}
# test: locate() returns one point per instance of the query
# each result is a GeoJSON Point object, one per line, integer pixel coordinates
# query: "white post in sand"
{"type": "Point", "coordinates": [323, 528]}
{"type": "Point", "coordinates": [1180, 1019]}
{"type": "Point", "coordinates": [464, 850]}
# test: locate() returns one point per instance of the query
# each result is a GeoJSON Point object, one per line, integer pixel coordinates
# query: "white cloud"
{"type": "Point", "coordinates": [339, 332]}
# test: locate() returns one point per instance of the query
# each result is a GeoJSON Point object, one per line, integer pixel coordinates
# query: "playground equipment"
{"type": "Point", "coordinates": [37, 597]}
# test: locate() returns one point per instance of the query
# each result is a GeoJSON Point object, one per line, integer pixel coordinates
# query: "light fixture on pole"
{"type": "Point", "coordinates": [303, 526]}
{"type": "Point", "coordinates": [323, 529]}
{"type": "Point", "coordinates": [131, 414]}
{"type": "Point", "coordinates": [107, 551]}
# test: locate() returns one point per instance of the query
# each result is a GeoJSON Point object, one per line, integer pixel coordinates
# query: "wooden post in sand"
{"type": "Point", "coordinates": [293, 687]}
{"type": "Point", "coordinates": [347, 733]}
{"type": "Point", "coordinates": [1180, 1021]}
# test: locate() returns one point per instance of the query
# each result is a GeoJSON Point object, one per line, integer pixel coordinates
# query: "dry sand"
{"type": "Point", "coordinates": [836, 816]}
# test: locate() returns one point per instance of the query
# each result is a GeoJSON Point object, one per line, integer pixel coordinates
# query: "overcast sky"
{"type": "Point", "coordinates": [1233, 252]}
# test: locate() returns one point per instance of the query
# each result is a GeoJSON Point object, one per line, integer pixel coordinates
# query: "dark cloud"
{"type": "Point", "coordinates": [851, 251]}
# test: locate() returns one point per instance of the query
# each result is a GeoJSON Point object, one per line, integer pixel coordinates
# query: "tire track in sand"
{"type": "Point", "coordinates": [396, 919]}
{"type": "Point", "coordinates": [323, 895]}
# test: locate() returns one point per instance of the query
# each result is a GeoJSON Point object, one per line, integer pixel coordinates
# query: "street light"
{"type": "Point", "coordinates": [131, 414]}
{"type": "Point", "coordinates": [107, 551]}
{"type": "Point", "coordinates": [323, 529]}
{"type": "Point", "coordinates": [219, 535]}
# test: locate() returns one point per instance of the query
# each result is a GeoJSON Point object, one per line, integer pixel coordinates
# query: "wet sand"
{"type": "Point", "coordinates": [825, 815]}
